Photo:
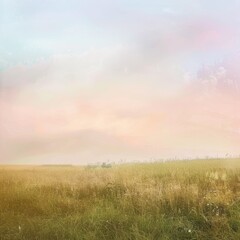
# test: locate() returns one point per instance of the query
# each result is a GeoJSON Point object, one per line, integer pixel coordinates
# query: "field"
{"type": "Point", "coordinates": [197, 199]}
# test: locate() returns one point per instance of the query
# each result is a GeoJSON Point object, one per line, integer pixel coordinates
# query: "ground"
{"type": "Point", "coordinates": [197, 199]}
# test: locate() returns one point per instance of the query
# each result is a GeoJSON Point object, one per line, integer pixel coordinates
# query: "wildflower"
{"type": "Point", "coordinates": [189, 230]}
{"type": "Point", "coordinates": [19, 228]}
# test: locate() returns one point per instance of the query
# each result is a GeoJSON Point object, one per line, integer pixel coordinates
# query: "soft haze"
{"type": "Point", "coordinates": [100, 80]}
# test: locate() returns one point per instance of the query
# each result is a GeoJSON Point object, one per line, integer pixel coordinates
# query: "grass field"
{"type": "Point", "coordinates": [174, 200]}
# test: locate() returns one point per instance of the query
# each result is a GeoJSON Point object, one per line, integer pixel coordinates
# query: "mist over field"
{"type": "Point", "coordinates": [88, 81]}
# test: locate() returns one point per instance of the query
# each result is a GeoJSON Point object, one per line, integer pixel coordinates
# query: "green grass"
{"type": "Point", "coordinates": [175, 200]}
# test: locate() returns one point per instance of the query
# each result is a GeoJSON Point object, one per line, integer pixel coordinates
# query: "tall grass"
{"type": "Point", "coordinates": [174, 200]}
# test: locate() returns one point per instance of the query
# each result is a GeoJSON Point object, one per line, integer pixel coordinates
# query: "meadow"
{"type": "Point", "coordinates": [198, 199]}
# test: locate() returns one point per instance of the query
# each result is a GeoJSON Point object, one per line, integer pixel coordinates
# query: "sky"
{"type": "Point", "coordinates": [98, 80]}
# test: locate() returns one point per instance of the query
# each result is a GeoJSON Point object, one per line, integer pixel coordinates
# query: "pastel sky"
{"type": "Point", "coordinates": [102, 80]}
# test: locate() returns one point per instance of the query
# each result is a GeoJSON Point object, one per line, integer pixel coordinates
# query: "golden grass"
{"type": "Point", "coordinates": [197, 199]}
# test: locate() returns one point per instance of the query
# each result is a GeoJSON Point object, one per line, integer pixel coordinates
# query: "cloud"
{"type": "Point", "coordinates": [121, 92]}
{"type": "Point", "coordinates": [117, 113]}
